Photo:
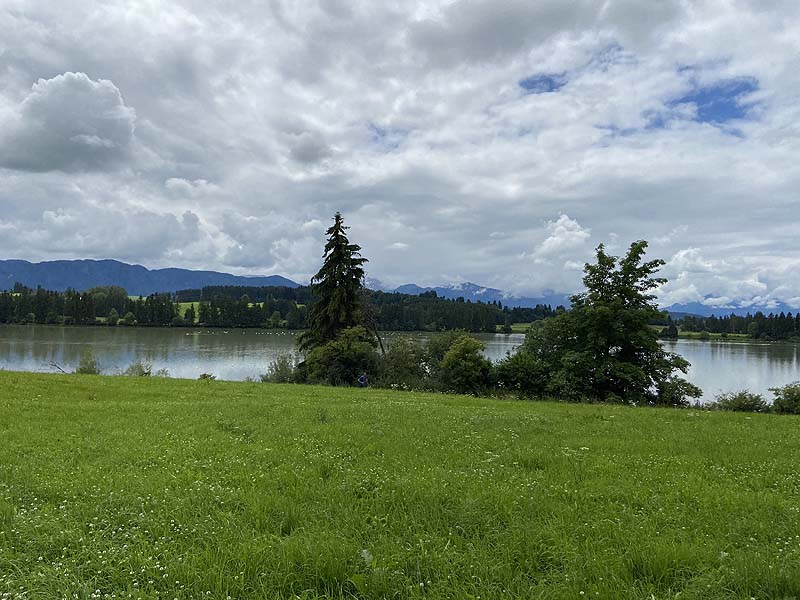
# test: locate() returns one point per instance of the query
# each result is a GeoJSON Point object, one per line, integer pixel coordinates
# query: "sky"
{"type": "Point", "coordinates": [493, 141]}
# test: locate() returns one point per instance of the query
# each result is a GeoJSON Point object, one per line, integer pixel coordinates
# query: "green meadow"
{"type": "Point", "coordinates": [115, 487]}
{"type": "Point", "coordinates": [517, 327]}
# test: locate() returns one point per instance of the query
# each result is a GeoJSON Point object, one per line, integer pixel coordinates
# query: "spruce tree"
{"type": "Point", "coordinates": [337, 288]}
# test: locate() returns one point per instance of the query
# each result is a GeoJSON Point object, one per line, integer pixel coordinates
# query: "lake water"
{"type": "Point", "coordinates": [229, 354]}
{"type": "Point", "coordinates": [239, 353]}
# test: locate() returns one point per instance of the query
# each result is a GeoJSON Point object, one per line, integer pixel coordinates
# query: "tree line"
{"type": "Point", "coordinates": [237, 306]}
{"type": "Point", "coordinates": [782, 326]}
{"type": "Point", "coordinates": [110, 304]}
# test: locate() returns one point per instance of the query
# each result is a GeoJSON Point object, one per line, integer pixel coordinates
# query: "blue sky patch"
{"type": "Point", "coordinates": [720, 102]}
{"type": "Point", "coordinates": [543, 83]}
{"type": "Point", "coordinates": [386, 137]}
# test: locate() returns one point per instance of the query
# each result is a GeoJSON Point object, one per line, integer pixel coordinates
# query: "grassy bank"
{"type": "Point", "coordinates": [516, 327]}
{"type": "Point", "coordinates": [730, 337]}
{"type": "Point", "coordinates": [147, 488]}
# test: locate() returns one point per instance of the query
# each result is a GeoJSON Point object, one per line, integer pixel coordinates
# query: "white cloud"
{"type": "Point", "coordinates": [564, 235]}
{"type": "Point", "coordinates": [68, 122]}
{"type": "Point", "coordinates": [263, 119]}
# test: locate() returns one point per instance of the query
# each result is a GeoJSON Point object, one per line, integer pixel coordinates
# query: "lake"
{"type": "Point", "coordinates": [235, 354]}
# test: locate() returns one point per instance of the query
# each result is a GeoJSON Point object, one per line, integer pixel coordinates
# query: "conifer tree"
{"type": "Point", "coordinates": [337, 288]}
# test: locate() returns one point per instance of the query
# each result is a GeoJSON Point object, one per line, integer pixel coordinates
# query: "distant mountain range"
{"type": "Point", "coordinates": [704, 310]}
{"type": "Point", "coordinates": [137, 280]}
{"type": "Point", "coordinates": [476, 293]}
{"type": "Point", "coordinates": [140, 281]}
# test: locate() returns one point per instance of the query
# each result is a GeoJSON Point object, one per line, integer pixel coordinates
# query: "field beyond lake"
{"type": "Point", "coordinates": [158, 488]}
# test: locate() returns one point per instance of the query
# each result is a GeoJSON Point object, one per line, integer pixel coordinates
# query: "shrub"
{"type": "Point", "coordinates": [523, 374]}
{"type": "Point", "coordinates": [464, 369]}
{"type": "Point", "coordinates": [88, 364]}
{"type": "Point", "coordinates": [438, 346]}
{"type": "Point", "coordinates": [742, 401]}
{"type": "Point", "coordinates": [139, 369]}
{"type": "Point", "coordinates": [129, 319]}
{"type": "Point", "coordinates": [675, 391]}
{"type": "Point", "coordinates": [403, 364]}
{"type": "Point", "coordinates": [787, 399]}
{"type": "Point", "coordinates": [343, 360]}
{"type": "Point", "coordinates": [280, 370]}
{"type": "Point", "coordinates": [113, 317]}
{"type": "Point", "coordinates": [207, 377]}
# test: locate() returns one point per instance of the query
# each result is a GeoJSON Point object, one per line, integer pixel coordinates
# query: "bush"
{"type": "Point", "coordinates": [129, 319]}
{"type": "Point", "coordinates": [438, 346]}
{"type": "Point", "coordinates": [523, 374]}
{"type": "Point", "coordinates": [207, 377]}
{"type": "Point", "coordinates": [113, 317]}
{"type": "Point", "coordinates": [787, 399]}
{"type": "Point", "coordinates": [675, 391]}
{"type": "Point", "coordinates": [344, 360]}
{"type": "Point", "coordinates": [403, 365]}
{"type": "Point", "coordinates": [280, 370]}
{"type": "Point", "coordinates": [464, 369]}
{"type": "Point", "coordinates": [139, 369]}
{"type": "Point", "coordinates": [88, 364]}
{"type": "Point", "coordinates": [742, 401]}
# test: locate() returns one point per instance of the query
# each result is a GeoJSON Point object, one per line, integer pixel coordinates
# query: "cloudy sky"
{"type": "Point", "coordinates": [496, 141]}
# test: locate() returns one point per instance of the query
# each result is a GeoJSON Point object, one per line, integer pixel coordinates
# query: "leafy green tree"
{"type": "Point", "coordinates": [113, 317]}
{"type": "Point", "coordinates": [337, 288]}
{"type": "Point", "coordinates": [438, 346]}
{"type": "Point", "coordinates": [464, 369]}
{"type": "Point", "coordinates": [670, 332]}
{"type": "Point", "coordinates": [345, 359]}
{"type": "Point", "coordinates": [275, 320]}
{"type": "Point", "coordinates": [604, 349]}
{"type": "Point", "coordinates": [523, 374]}
{"type": "Point", "coordinates": [506, 329]}
{"type": "Point", "coordinates": [402, 366]}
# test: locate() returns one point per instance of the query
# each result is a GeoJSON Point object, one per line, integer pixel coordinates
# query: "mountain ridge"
{"type": "Point", "coordinates": [81, 274]}
{"type": "Point", "coordinates": [478, 293]}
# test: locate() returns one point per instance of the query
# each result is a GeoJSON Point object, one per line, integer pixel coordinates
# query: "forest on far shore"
{"type": "Point", "coordinates": [268, 307]}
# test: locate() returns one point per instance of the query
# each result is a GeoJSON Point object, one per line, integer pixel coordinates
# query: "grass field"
{"type": "Point", "coordinates": [731, 337]}
{"type": "Point", "coordinates": [517, 327]}
{"type": "Point", "coordinates": [697, 335]}
{"type": "Point", "coordinates": [184, 306]}
{"type": "Point", "coordinates": [116, 487]}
